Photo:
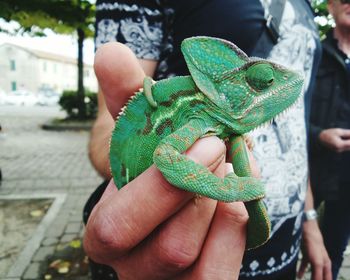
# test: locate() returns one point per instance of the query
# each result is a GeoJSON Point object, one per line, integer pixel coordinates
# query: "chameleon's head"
{"type": "Point", "coordinates": [249, 92]}
{"type": "Point", "coordinates": [257, 92]}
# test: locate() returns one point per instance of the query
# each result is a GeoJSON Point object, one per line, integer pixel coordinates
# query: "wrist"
{"type": "Point", "coordinates": [310, 223]}
{"type": "Point", "coordinates": [310, 215]}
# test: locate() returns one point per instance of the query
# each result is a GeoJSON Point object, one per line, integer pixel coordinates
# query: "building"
{"type": "Point", "coordinates": [34, 70]}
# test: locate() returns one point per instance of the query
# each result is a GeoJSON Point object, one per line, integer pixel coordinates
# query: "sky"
{"type": "Point", "coordinates": [58, 44]}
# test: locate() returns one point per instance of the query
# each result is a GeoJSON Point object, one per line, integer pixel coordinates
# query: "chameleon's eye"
{"type": "Point", "coordinates": [260, 76]}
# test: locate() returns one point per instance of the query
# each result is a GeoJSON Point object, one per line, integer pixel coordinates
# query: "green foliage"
{"type": "Point", "coordinates": [69, 102]}
{"type": "Point", "coordinates": [60, 16]}
{"type": "Point", "coordinates": [323, 19]}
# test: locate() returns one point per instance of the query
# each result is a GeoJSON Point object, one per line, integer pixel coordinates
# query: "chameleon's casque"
{"type": "Point", "coordinates": [227, 94]}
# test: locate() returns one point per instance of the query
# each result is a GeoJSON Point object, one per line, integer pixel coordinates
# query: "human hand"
{"type": "Point", "coordinates": [315, 253]}
{"type": "Point", "coordinates": [149, 229]}
{"type": "Point", "coordinates": [336, 139]}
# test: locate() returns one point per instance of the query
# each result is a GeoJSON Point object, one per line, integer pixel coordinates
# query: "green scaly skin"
{"type": "Point", "coordinates": [227, 94]}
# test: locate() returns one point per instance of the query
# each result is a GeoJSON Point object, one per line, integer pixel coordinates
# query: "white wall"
{"type": "Point", "coordinates": [33, 72]}
{"type": "Point", "coordinates": [24, 75]}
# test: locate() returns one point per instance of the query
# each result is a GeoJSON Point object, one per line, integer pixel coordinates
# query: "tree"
{"type": "Point", "coordinates": [323, 19]}
{"type": "Point", "coordinates": [61, 16]}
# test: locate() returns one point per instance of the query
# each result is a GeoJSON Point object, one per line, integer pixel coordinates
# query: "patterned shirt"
{"type": "Point", "coordinates": [155, 29]}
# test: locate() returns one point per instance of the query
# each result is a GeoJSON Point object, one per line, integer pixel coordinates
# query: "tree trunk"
{"type": "Point", "coordinates": [81, 91]}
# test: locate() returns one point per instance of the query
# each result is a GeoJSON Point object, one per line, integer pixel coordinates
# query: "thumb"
{"type": "Point", "coordinates": [119, 74]}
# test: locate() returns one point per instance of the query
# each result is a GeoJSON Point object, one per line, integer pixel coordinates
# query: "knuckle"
{"type": "Point", "coordinates": [235, 212]}
{"type": "Point", "coordinates": [107, 236]}
{"type": "Point", "coordinates": [178, 254]}
{"type": "Point", "coordinates": [318, 263]}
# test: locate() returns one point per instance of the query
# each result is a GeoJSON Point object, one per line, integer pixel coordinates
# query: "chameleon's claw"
{"type": "Point", "coordinates": [197, 197]}
{"type": "Point", "coordinates": [249, 142]}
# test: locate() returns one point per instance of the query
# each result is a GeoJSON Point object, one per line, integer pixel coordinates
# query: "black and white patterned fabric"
{"type": "Point", "coordinates": [281, 149]}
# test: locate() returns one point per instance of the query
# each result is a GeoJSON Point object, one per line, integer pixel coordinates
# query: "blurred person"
{"type": "Point", "coordinates": [330, 134]}
{"type": "Point", "coordinates": [159, 247]}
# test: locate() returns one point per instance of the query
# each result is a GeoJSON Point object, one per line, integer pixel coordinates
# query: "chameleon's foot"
{"type": "Point", "coordinates": [236, 188]}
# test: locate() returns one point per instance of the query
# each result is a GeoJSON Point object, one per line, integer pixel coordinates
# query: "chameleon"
{"type": "Point", "coordinates": [227, 94]}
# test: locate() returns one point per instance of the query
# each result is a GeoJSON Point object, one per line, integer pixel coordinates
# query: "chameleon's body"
{"type": "Point", "coordinates": [227, 94]}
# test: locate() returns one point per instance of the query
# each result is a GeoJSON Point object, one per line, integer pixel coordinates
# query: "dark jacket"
{"type": "Point", "coordinates": [329, 106]}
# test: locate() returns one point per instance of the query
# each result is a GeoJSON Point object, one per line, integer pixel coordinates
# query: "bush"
{"type": "Point", "coordinates": [69, 103]}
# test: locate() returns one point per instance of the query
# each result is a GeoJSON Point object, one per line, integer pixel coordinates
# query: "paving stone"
{"type": "Point", "coordinates": [56, 230]}
{"type": "Point", "coordinates": [50, 241]}
{"type": "Point", "coordinates": [68, 237]}
{"type": "Point", "coordinates": [32, 272]}
{"type": "Point", "coordinates": [43, 253]}
{"type": "Point", "coordinates": [73, 227]}
{"type": "Point", "coordinates": [76, 217]}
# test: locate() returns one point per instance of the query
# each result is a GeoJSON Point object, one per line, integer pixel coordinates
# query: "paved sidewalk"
{"type": "Point", "coordinates": [49, 164]}
{"type": "Point", "coordinates": [38, 163]}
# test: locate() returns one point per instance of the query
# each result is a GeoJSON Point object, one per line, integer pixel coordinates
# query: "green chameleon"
{"type": "Point", "coordinates": [227, 95]}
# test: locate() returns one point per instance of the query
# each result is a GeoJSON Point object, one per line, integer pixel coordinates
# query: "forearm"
{"type": "Point", "coordinates": [310, 226]}
{"type": "Point", "coordinates": [309, 199]}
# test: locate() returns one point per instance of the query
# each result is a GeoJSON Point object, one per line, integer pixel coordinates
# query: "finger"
{"type": "Point", "coordinates": [110, 190]}
{"type": "Point", "coordinates": [344, 133]}
{"type": "Point", "coordinates": [302, 268]}
{"type": "Point", "coordinates": [177, 243]}
{"type": "Point", "coordinates": [173, 247]}
{"type": "Point", "coordinates": [346, 145]}
{"type": "Point", "coordinates": [119, 74]}
{"type": "Point", "coordinates": [327, 270]}
{"type": "Point", "coordinates": [317, 272]}
{"type": "Point", "coordinates": [126, 217]}
{"type": "Point", "coordinates": [222, 253]}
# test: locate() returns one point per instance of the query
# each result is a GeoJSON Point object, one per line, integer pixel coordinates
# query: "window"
{"type": "Point", "coordinates": [13, 65]}
{"type": "Point", "coordinates": [13, 86]}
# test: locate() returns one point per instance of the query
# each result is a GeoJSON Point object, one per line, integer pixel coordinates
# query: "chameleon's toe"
{"type": "Point", "coordinates": [241, 188]}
